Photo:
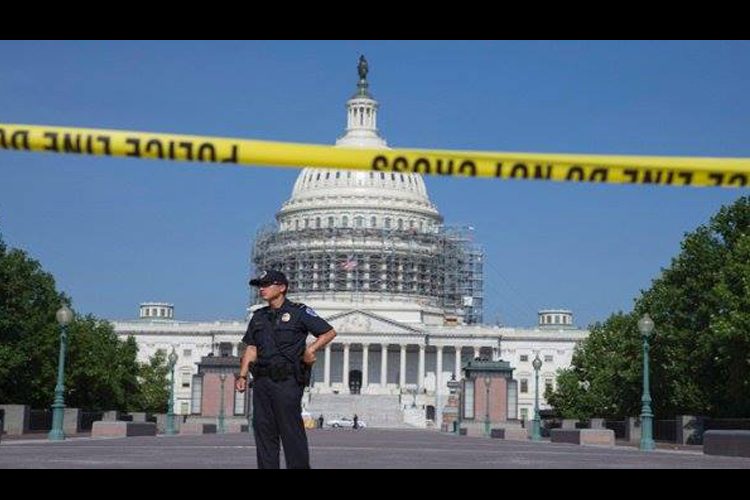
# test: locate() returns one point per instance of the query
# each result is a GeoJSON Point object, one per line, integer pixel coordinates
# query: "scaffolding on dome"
{"type": "Point", "coordinates": [441, 267]}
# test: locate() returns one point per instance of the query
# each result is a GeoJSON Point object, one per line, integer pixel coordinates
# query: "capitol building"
{"type": "Point", "coordinates": [370, 252]}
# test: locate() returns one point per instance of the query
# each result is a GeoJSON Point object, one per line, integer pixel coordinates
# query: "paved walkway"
{"type": "Point", "coordinates": [345, 448]}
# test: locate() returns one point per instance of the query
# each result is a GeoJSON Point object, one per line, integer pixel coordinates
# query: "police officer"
{"type": "Point", "coordinates": [281, 362]}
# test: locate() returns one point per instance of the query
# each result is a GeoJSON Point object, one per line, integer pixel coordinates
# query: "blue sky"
{"type": "Point", "coordinates": [116, 232]}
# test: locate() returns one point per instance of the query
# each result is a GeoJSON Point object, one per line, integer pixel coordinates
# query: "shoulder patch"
{"type": "Point", "coordinates": [312, 313]}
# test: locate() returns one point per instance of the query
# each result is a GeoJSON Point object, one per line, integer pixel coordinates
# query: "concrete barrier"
{"type": "Point", "coordinates": [17, 419]}
{"type": "Point", "coordinates": [513, 434]}
{"type": "Point", "coordinates": [195, 428]}
{"type": "Point", "coordinates": [122, 429]}
{"type": "Point", "coordinates": [584, 437]}
{"type": "Point", "coordinates": [727, 443]}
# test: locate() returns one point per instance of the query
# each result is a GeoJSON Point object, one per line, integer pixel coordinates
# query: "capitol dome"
{"type": "Point", "coordinates": [361, 237]}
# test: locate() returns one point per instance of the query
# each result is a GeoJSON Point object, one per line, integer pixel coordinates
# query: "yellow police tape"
{"type": "Point", "coordinates": [675, 171]}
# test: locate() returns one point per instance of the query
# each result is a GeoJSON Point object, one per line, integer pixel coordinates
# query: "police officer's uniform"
{"type": "Point", "coordinates": [278, 380]}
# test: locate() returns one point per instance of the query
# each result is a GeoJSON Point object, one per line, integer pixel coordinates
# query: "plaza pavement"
{"type": "Point", "coordinates": [345, 448]}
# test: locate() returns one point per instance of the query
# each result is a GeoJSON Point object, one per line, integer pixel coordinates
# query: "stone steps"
{"type": "Point", "coordinates": [374, 410]}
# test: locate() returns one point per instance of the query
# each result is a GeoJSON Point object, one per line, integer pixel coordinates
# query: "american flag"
{"type": "Point", "coordinates": [349, 264]}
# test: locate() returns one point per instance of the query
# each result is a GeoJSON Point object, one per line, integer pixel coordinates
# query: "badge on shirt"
{"type": "Point", "coordinates": [311, 312]}
{"type": "Point", "coordinates": [286, 317]}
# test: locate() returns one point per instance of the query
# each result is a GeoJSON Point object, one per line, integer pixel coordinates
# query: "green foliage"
{"type": "Point", "coordinates": [154, 383]}
{"type": "Point", "coordinates": [700, 349]}
{"type": "Point", "coordinates": [101, 372]}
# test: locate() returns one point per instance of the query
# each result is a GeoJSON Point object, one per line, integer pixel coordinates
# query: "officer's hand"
{"type": "Point", "coordinates": [309, 357]}
{"type": "Point", "coordinates": [240, 384]}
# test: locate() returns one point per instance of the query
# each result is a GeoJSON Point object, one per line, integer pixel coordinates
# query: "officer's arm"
{"type": "Point", "coordinates": [248, 358]}
{"type": "Point", "coordinates": [322, 340]}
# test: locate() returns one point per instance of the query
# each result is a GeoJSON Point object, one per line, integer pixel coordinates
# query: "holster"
{"type": "Point", "coordinates": [303, 373]}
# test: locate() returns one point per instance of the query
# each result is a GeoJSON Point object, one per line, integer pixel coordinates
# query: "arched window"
{"type": "Point", "coordinates": [373, 221]}
{"type": "Point", "coordinates": [344, 221]}
{"type": "Point", "coordinates": [317, 222]}
{"type": "Point", "coordinates": [387, 222]}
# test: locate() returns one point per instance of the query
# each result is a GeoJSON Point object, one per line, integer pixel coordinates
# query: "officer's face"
{"type": "Point", "coordinates": [270, 291]}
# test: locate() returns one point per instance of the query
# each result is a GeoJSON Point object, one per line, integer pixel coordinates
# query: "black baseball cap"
{"type": "Point", "coordinates": [270, 277]}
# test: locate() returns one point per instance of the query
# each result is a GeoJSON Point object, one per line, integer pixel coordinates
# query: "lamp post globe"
{"type": "Point", "coordinates": [536, 434]}
{"type": "Point", "coordinates": [172, 360]}
{"type": "Point", "coordinates": [646, 327]}
{"type": "Point", "coordinates": [63, 316]}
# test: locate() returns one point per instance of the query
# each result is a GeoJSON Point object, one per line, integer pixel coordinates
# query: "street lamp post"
{"type": "Point", "coordinates": [487, 381]}
{"type": "Point", "coordinates": [536, 434]}
{"type": "Point", "coordinates": [646, 326]}
{"type": "Point", "coordinates": [453, 386]}
{"type": "Point", "coordinates": [170, 430]}
{"type": "Point", "coordinates": [222, 428]}
{"type": "Point", "coordinates": [64, 316]}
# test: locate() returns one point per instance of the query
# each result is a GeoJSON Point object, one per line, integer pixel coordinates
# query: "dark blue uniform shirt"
{"type": "Point", "coordinates": [280, 334]}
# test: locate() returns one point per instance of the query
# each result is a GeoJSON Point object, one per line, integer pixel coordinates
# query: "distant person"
{"type": "Point", "coordinates": [356, 421]}
{"type": "Point", "coordinates": [320, 421]}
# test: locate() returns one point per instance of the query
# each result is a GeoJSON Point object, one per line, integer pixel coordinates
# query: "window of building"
{"type": "Point", "coordinates": [239, 402]}
{"type": "Point", "coordinates": [469, 400]}
{"type": "Point", "coordinates": [317, 222]}
{"type": "Point", "coordinates": [373, 221]}
{"type": "Point", "coordinates": [197, 393]}
{"type": "Point", "coordinates": [359, 221]}
{"type": "Point", "coordinates": [184, 408]}
{"type": "Point", "coordinates": [225, 349]}
{"type": "Point", "coordinates": [387, 222]}
{"type": "Point", "coordinates": [401, 223]}
{"type": "Point", "coordinates": [186, 377]}
{"type": "Point", "coordinates": [307, 223]}
{"type": "Point", "coordinates": [524, 358]}
{"type": "Point", "coordinates": [524, 413]}
{"type": "Point", "coordinates": [344, 221]}
{"type": "Point", "coordinates": [557, 319]}
{"type": "Point", "coordinates": [186, 353]}
{"type": "Point", "coordinates": [524, 386]}
{"type": "Point", "coordinates": [330, 221]}
{"type": "Point", "coordinates": [548, 358]}
{"type": "Point", "coordinates": [296, 224]}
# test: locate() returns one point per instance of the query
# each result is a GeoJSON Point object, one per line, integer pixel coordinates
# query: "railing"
{"type": "Point", "coordinates": [88, 418]}
{"type": "Point", "coordinates": [665, 430]}
{"type": "Point", "coordinates": [40, 420]}
{"type": "Point", "coordinates": [616, 425]}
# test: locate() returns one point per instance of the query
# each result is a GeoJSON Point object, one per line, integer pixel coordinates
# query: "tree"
{"type": "Point", "coordinates": [700, 349]}
{"type": "Point", "coordinates": [154, 384]}
{"type": "Point", "coordinates": [100, 370]}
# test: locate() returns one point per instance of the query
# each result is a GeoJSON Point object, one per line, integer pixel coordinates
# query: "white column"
{"type": "Point", "coordinates": [327, 367]}
{"type": "Point", "coordinates": [420, 373]}
{"type": "Point", "coordinates": [439, 374]}
{"type": "Point", "coordinates": [402, 368]}
{"type": "Point", "coordinates": [457, 368]}
{"type": "Point", "coordinates": [346, 367]}
{"type": "Point", "coordinates": [365, 363]}
{"type": "Point", "coordinates": [383, 365]}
